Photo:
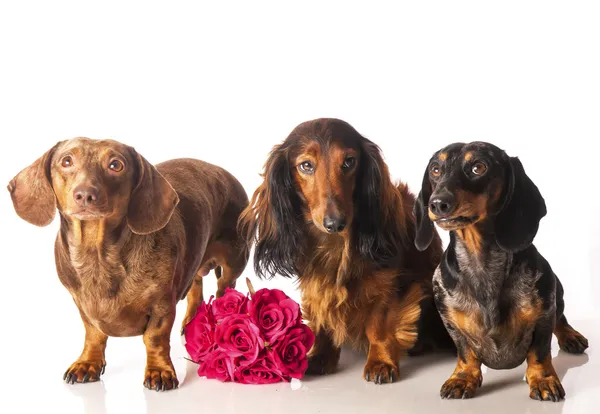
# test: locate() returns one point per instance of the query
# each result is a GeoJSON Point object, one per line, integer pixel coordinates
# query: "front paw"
{"type": "Point", "coordinates": [321, 364]}
{"type": "Point", "coordinates": [160, 379]}
{"type": "Point", "coordinates": [457, 387]}
{"type": "Point", "coordinates": [380, 372]}
{"type": "Point", "coordinates": [84, 371]}
{"type": "Point", "coordinates": [546, 389]}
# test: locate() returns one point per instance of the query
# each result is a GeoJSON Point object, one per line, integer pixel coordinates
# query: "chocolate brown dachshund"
{"type": "Point", "coordinates": [134, 239]}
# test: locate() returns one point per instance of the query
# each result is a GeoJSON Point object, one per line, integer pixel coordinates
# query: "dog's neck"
{"type": "Point", "coordinates": [478, 255]}
{"type": "Point", "coordinates": [331, 255]}
{"type": "Point", "coordinates": [95, 242]}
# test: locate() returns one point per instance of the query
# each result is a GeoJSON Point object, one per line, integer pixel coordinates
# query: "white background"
{"type": "Point", "coordinates": [225, 83]}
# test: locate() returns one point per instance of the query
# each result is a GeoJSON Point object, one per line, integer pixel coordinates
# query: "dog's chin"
{"type": "Point", "coordinates": [455, 223]}
{"type": "Point", "coordinates": [88, 215]}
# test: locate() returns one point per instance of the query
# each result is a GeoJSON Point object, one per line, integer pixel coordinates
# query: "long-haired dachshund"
{"type": "Point", "coordinates": [328, 213]}
{"type": "Point", "coordinates": [498, 297]}
{"type": "Point", "coordinates": [134, 239]}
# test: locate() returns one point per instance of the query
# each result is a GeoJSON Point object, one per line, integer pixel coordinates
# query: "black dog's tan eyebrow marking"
{"type": "Point", "coordinates": [468, 156]}
{"type": "Point", "coordinates": [443, 156]}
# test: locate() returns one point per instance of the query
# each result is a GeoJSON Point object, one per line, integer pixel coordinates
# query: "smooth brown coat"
{"type": "Point", "coordinates": [134, 239]}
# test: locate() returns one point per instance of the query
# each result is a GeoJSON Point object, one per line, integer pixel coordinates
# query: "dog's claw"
{"type": "Point", "coordinates": [84, 371]}
{"type": "Point", "coordinates": [380, 373]}
{"type": "Point", "coordinates": [547, 389]}
{"type": "Point", "coordinates": [159, 379]}
{"type": "Point", "coordinates": [460, 388]}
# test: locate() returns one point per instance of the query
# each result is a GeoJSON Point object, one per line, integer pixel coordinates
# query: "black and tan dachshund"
{"type": "Point", "coordinates": [499, 298]}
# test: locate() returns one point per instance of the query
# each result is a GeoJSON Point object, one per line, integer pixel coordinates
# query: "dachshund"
{"type": "Point", "coordinates": [497, 295]}
{"type": "Point", "coordinates": [134, 239]}
{"type": "Point", "coordinates": [328, 215]}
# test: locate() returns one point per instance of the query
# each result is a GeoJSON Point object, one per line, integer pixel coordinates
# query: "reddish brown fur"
{"type": "Point", "coordinates": [148, 240]}
{"type": "Point", "coordinates": [347, 298]}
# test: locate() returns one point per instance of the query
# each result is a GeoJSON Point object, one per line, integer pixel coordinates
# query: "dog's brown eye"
{"type": "Point", "coordinates": [349, 163]}
{"type": "Point", "coordinates": [116, 166]}
{"type": "Point", "coordinates": [307, 167]}
{"type": "Point", "coordinates": [435, 170]}
{"type": "Point", "coordinates": [67, 161]}
{"type": "Point", "coordinates": [479, 168]}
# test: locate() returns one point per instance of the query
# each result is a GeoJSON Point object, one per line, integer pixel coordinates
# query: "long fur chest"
{"type": "Point", "coordinates": [343, 311]}
{"type": "Point", "coordinates": [333, 309]}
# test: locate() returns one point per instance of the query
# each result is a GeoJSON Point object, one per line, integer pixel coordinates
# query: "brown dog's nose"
{"type": "Point", "coordinates": [85, 195]}
{"type": "Point", "coordinates": [334, 224]}
{"type": "Point", "coordinates": [442, 205]}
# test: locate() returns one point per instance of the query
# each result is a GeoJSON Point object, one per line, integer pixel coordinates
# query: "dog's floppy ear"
{"type": "Point", "coordinates": [376, 239]}
{"type": "Point", "coordinates": [425, 230]}
{"type": "Point", "coordinates": [518, 221]}
{"type": "Point", "coordinates": [32, 193]}
{"type": "Point", "coordinates": [272, 219]}
{"type": "Point", "coordinates": [153, 199]}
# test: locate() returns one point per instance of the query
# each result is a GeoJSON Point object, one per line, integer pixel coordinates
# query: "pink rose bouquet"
{"type": "Point", "coordinates": [250, 339]}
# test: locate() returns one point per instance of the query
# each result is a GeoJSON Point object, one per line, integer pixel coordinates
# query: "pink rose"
{"type": "Point", "coordinates": [261, 371]}
{"type": "Point", "coordinates": [199, 339]}
{"type": "Point", "coordinates": [231, 303]}
{"type": "Point", "coordinates": [240, 338]}
{"type": "Point", "coordinates": [290, 352]}
{"type": "Point", "coordinates": [217, 365]}
{"type": "Point", "coordinates": [274, 313]}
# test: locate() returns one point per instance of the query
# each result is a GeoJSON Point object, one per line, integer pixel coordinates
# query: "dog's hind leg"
{"type": "Point", "coordinates": [569, 340]}
{"type": "Point", "coordinates": [194, 299]}
{"type": "Point", "coordinates": [232, 263]}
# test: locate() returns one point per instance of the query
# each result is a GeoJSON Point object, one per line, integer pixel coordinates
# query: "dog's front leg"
{"type": "Point", "coordinates": [384, 350]}
{"type": "Point", "coordinates": [324, 355]}
{"type": "Point", "coordinates": [90, 364]}
{"type": "Point", "coordinates": [467, 377]}
{"type": "Point", "coordinates": [543, 382]}
{"type": "Point", "coordinates": [160, 373]}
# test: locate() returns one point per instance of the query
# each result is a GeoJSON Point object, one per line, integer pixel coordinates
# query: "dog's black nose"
{"type": "Point", "coordinates": [442, 205]}
{"type": "Point", "coordinates": [334, 224]}
{"type": "Point", "coordinates": [85, 196]}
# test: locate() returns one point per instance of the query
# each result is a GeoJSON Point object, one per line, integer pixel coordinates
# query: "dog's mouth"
{"type": "Point", "coordinates": [88, 214]}
{"type": "Point", "coordinates": [454, 223]}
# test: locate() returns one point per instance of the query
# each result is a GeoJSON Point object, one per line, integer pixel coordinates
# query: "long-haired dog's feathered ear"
{"type": "Point", "coordinates": [425, 230]}
{"type": "Point", "coordinates": [375, 235]}
{"type": "Point", "coordinates": [517, 223]}
{"type": "Point", "coordinates": [272, 219]}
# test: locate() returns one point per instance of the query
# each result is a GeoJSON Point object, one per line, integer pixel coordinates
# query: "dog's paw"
{"type": "Point", "coordinates": [84, 371]}
{"type": "Point", "coordinates": [460, 387]}
{"type": "Point", "coordinates": [321, 364]}
{"type": "Point", "coordinates": [573, 342]}
{"type": "Point", "coordinates": [380, 372]}
{"type": "Point", "coordinates": [160, 379]}
{"type": "Point", "coordinates": [546, 389]}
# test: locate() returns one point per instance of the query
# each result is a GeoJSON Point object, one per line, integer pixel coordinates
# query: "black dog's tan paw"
{"type": "Point", "coordinates": [84, 371]}
{"type": "Point", "coordinates": [573, 342]}
{"type": "Point", "coordinates": [546, 389]}
{"type": "Point", "coordinates": [380, 372]}
{"type": "Point", "coordinates": [321, 365]}
{"type": "Point", "coordinates": [160, 379]}
{"type": "Point", "coordinates": [456, 387]}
